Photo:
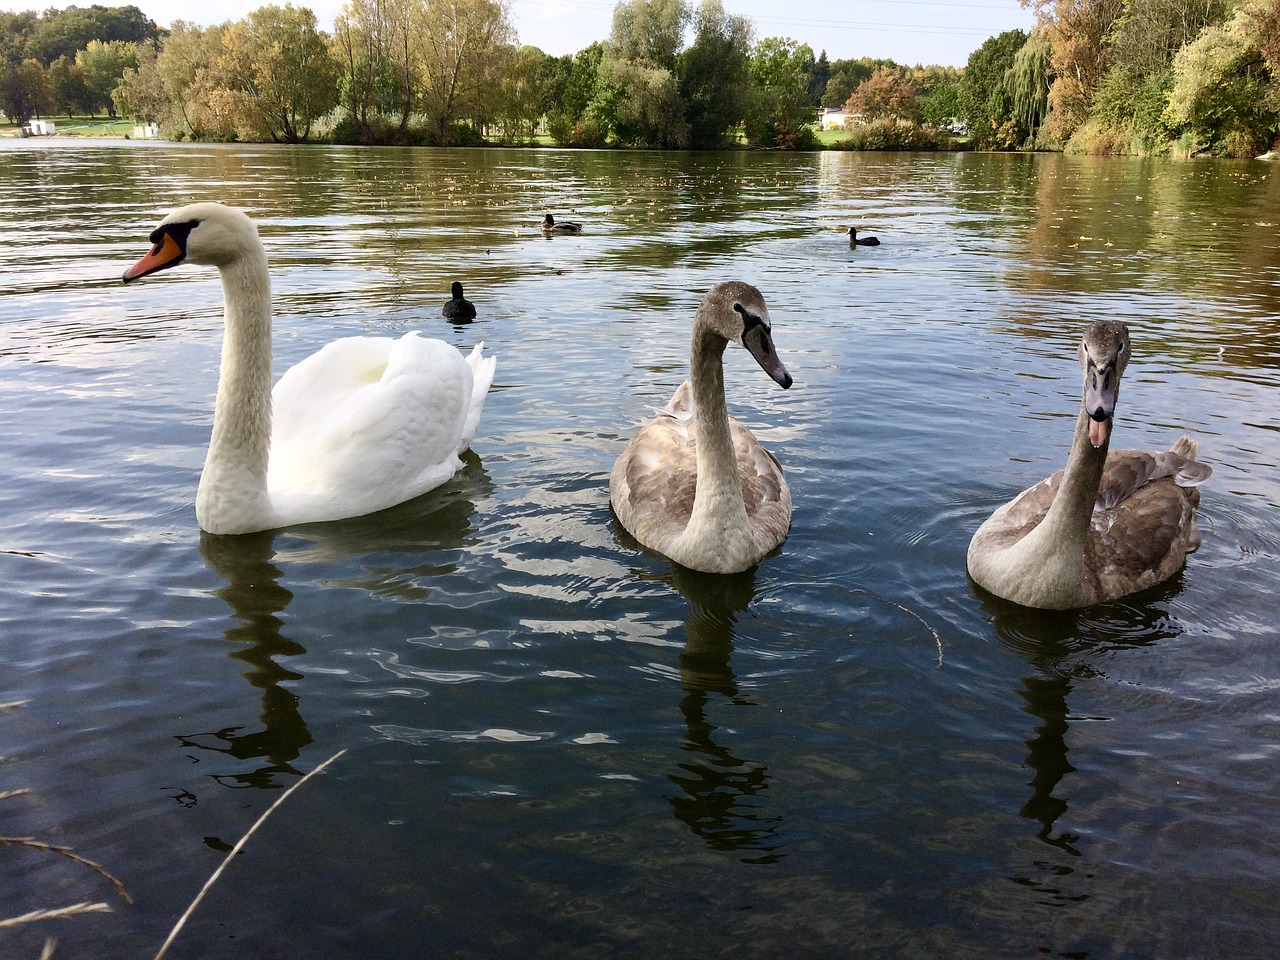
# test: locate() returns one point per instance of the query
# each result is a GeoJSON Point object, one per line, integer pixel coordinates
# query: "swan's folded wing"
{"type": "Point", "coordinates": [1128, 471]}
{"type": "Point", "coordinates": [1146, 538]}
{"type": "Point", "coordinates": [482, 371]}
{"type": "Point", "coordinates": [653, 482]}
{"type": "Point", "coordinates": [401, 430]}
{"type": "Point", "coordinates": [764, 487]}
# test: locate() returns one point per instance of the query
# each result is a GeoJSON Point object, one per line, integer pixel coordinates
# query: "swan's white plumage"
{"type": "Point", "coordinates": [361, 425]}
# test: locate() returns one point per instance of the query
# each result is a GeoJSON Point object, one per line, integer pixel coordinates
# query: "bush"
{"type": "Point", "coordinates": [894, 134]}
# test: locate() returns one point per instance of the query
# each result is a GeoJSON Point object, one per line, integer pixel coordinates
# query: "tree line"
{"type": "Point", "coordinates": [1131, 77]}
{"type": "Point", "coordinates": [1121, 76]}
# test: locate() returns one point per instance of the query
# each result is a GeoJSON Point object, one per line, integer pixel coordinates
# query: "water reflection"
{"type": "Point", "coordinates": [256, 597]}
{"type": "Point", "coordinates": [718, 788]}
{"type": "Point", "coordinates": [1064, 649]}
{"type": "Point", "coordinates": [426, 528]}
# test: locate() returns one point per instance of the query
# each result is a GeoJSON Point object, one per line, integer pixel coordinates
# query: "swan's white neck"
{"type": "Point", "coordinates": [232, 496]}
{"type": "Point", "coordinates": [1054, 550]}
{"type": "Point", "coordinates": [719, 515]}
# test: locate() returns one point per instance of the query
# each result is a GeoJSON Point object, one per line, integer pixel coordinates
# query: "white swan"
{"type": "Point", "coordinates": [694, 484]}
{"type": "Point", "coordinates": [361, 425]}
{"type": "Point", "coordinates": [1106, 526]}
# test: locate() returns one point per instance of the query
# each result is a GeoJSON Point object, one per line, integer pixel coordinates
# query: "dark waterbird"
{"type": "Point", "coordinates": [459, 308]}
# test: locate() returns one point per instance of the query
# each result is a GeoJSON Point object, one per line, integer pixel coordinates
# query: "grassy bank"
{"type": "Point", "coordinates": [77, 127]}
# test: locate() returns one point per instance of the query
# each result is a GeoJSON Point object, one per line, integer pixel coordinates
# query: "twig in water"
{"type": "Point", "coordinates": [236, 849]}
{"type": "Point", "coordinates": [70, 855]}
{"type": "Point", "coordinates": [907, 610]}
{"type": "Point", "coordinates": [72, 911]}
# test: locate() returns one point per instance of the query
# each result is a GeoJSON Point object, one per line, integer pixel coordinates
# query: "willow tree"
{"type": "Point", "coordinates": [1028, 81]}
{"type": "Point", "coordinates": [1078, 32]}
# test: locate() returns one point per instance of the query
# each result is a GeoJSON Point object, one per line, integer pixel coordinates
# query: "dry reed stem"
{"type": "Point", "coordinates": [173, 934]}
{"type": "Point", "coordinates": [75, 910]}
{"type": "Point", "coordinates": [47, 952]}
{"type": "Point", "coordinates": [6, 794]}
{"type": "Point", "coordinates": [70, 855]}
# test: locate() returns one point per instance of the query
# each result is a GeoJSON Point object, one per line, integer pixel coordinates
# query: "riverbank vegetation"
{"type": "Point", "coordinates": [1098, 76]}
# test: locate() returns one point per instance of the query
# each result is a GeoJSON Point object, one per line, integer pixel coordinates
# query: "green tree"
{"type": "Point", "coordinates": [278, 70]}
{"type": "Point", "coordinates": [1219, 92]}
{"type": "Point", "coordinates": [516, 95]}
{"type": "Point", "coordinates": [568, 116]}
{"type": "Point", "coordinates": [62, 33]}
{"type": "Point", "coordinates": [984, 99]}
{"type": "Point", "coordinates": [641, 104]}
{"type": "Point", "coordinates": [102, 65]}
{"type": "Point", "coordinates": [779, 112]}
{"type": "Point", "coordinates": [651, 31]}
{"type": "Point", "coordinates": [637, 94]}
{"type": "Point", "coordinates": [1028, 83]}
{"type": "Point", "coordinates": [715, 75]}
{"type": "Point", "coordinates": [67, 88]}
{"type": "Point", "coordinates": [24, 91]}
{"type": "Point", "coordinates": [941, 105]}
{"type": "Point", "coordinates": [140, 95]}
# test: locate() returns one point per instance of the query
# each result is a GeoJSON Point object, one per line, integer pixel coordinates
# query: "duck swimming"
{"type": "Point", "coordinates": [855, 240]}
{"type": "Point", "coordinates": [1110, 523]}
{"type": "Point", "coordinates": [549, 225]}
{"type": "Point", "coordinates": [459, 308]}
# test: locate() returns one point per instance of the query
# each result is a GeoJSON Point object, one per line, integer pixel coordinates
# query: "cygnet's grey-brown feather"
{"type": "Point", "coordinates": [1127, 522]}
{"type": "Point", "coordinates": [654, 485]}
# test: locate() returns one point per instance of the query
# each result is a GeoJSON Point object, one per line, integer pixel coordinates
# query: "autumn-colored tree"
{"type": "Point", "coordinates": [276, 68]}
{"type": "Point", "coordinates": [885, 95]}
{"type": "Point", "coordinates": [452, 40]}
{"type": "Point", "coordinates": [187, 69]}
{"type": "Point", "coordinates": [1077, 31]}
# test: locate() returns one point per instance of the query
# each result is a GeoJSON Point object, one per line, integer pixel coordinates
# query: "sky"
{"type": "Point", "coordinates": [907, 31]}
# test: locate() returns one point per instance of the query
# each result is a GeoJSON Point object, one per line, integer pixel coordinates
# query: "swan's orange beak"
{"type": "Point", "coordinates": [166, 253]}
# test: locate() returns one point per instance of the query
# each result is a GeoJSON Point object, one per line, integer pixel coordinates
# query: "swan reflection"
{"type": "Point", "coordinates": [251, 565]}
{"type": "Point", "coordinates": [256, 597]}
{"type": "Point", "coordinates": [720, 792]}
{"type": "Point", "coordinates": [1065, 650]}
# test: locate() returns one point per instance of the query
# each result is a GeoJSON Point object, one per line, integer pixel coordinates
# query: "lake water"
{"type": "Point", "coordinates": [558, 745]}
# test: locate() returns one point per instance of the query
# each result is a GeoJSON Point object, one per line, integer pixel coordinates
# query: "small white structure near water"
{"type": "Point", "coordinates": [40, 128]}
{"type": "Point", "coordinates": [147, 131]}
